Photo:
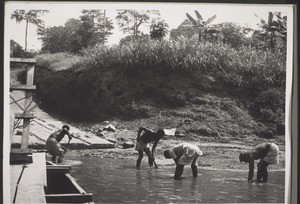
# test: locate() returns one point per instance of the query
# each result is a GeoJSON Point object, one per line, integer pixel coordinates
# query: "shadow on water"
{"type": "Point", "coordinates": [118, 181]}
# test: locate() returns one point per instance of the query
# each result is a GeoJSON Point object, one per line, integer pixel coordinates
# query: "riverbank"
{"type": "Point", "coordinates": [216, 155]}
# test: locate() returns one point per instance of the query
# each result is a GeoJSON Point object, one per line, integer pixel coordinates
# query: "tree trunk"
{"type": "Point", "coordinates": [26, 34]}
{"type": "Point", "coordinates": [104, 24]}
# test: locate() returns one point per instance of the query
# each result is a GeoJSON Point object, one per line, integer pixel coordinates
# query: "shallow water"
{"type": "Point", "coordinates": [118, 181]}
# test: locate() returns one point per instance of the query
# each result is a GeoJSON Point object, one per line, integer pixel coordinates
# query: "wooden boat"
{"type": "Point", "coordinates": [62, 187]}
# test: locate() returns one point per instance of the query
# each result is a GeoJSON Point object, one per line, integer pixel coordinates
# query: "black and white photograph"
{"type": "Point", "coordinates": [157, 102]}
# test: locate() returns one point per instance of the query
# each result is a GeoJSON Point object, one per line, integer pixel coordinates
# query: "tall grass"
{"type": "Point", "coordinates": [243, 67]}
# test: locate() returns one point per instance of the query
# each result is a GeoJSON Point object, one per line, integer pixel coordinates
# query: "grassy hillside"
{"type": "Point", "coordinates": [204, 89]}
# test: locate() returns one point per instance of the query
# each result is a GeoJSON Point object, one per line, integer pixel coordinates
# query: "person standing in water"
{"type": "Point", "coordinates": [184, 154]}
{"type": "Point", "coordinates": [53, 146]}
{"type": "Point", "coordinates": [143, 144]}
{"type": "Point", "coordinates": [267, 153]}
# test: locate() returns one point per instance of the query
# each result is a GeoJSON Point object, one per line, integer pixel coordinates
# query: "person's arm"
{"type": "Point", "coordinates": [153, 147]}
{"type": "Point", "coordinates": [141, 129]}
{"type": "Point", "coordinates": [251, 168]}
{"type": "Point", "coordinates": [174, 156]}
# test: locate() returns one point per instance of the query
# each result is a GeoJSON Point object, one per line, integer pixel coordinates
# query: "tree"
{"type": "Point", "coordinates": [274, 29]}
{"type": "Point", "coordinates": [131, 20]}
{"type": "Point", "coordinates": [183, 30]}
{"type": "Point", "coordinates": [96, 27]}
{"type": "Point", "coordinates": [201, 25]}
{"type": "Point", "coordinates": [16, 50]}
{"type": "Point", "coordinates": [61, 38]}
{"type": "Point", "coordinates": [158, 29]}
{"type": "Point", "coordinates": [229, 33]}
{"type": "Point", "coordinates": [31, 16]}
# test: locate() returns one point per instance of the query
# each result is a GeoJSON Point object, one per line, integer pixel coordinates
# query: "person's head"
{"type": "Point", "coordinates": [167, 154]}
{"type": "Point", "coordinates": [160, 132]}
{"type": "Point", "coordinates": [65, 128]}
{"type": "Point", "coordinates": [244, 157]}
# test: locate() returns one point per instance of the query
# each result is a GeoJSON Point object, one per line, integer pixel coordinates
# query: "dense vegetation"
{"type": "Point", "coordinates": [196, 70]}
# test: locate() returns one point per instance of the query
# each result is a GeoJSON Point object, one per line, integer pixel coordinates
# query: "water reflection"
{"type": "Point", "coordinates": [118, 181]}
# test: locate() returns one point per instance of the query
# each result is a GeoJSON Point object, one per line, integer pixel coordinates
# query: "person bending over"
{"type": "Point", "coordinates": [143, 144]}
{"type": "Point", "coordinates": [184, 154]}
{"type": "Point", "coordinates": [53, 146]}
{"type": "Point", "coordinates": [267, 153]}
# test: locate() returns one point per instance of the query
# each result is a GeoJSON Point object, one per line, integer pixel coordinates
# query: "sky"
{"type": "Point", "coordinates": [173, 13]}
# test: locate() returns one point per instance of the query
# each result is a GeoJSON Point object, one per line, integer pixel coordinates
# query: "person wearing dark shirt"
{"type": "Point", "coordinates": [53, 146]}
{"type": "Point", "coordinates": [143, 144]}
{"type": "Point", "coordinates": [267, 153]}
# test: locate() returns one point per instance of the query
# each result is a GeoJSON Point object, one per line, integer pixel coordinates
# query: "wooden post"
{"type": "Point", "coordinates": [28, 99]}
{"type": "Point", "coordinates": [28, 88]}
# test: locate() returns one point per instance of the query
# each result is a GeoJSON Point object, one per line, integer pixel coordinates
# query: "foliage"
{"type": "Point", "coordinates": [229, 33]}
{"type": "Point", "coordinates": [158, 29]}
{"type": "Point", "coordinates": [201, 25]}
{"type": "Point", "coordinates": [95, 27]}
{"type": "Point", "coordinates": [56, 61]}
{"type": "Point", "coordinates": [31, 16]}
{"type": "Point", "coordinates": [16, 50]}
{"type": "Point", "coordinates": [244, 67]}
{"type": "Point", "coordinates": [91, 30]}
{"type": "Point", "coordinates": [273, 31]}
{"type": "Point", "coordinates": [131, 20]}
{"type": "Point", "coordinates": [183, 31]}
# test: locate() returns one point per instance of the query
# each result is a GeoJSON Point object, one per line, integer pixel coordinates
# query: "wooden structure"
{"type": "Point", "coordinates": [40, 183]}
{"type": "Point", "coordinates": [27, 181]}
{"type": "Point", "coordinates": [62, 187]}
{"type": "Point", "coordinates": [23, 155]}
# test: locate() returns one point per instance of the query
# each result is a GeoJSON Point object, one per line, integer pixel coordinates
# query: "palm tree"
{"type": "Point", "coordinates": [201, 25]}
{"type": "Point", "coordinates": [273, 29]}
{"type": "Point", "coordinates": [31, 16]}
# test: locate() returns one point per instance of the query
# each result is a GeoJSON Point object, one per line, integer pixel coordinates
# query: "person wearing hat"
{"type": "Point", "coordinates": [267, 153]}
{"type": "Point", "coordinates": [53, 146]}
{"type": "Point", "coordinates": [143, 144]}
{"type": "Point", "coordinates": [184, 154]}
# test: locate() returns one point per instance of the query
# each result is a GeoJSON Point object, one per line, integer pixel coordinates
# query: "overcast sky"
{"type": "Point", "coordinates": [173, 13]}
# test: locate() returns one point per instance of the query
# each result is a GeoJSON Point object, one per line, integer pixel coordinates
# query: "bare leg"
{"type": "Point", "coordinates": [259, 171]}
{"type": "Point", "coordinates": [53, 159]}
{"type": "Point", "coordinates": [265, 171]}
{"type": "Point", "coordinates": [61, 157]}
{"type": "Point", "coordinates": [139, 160]}
{"type": "Point", "coordinates": [150, 161]}
{"type": "Point", "coordinates": [178, 171]}
{"type": "Point", "coordinates": [194, 170]}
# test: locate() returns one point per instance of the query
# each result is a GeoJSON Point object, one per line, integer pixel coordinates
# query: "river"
{"type": "Point", "coordinates": [118, 181]}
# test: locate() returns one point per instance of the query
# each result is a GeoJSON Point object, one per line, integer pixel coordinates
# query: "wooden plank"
{"type": "Point", "coordinates": [23, 60]}
{"type": "Point", "coordinates": [30, 74]}
{"type": "Point", "coordinates": [31, 184]}
{"type": "Point", "coordinates": [22, 87]}
{"type": "Point", "coordinates": [15, 150]}
{"type": "Point", "coordinates": [20, 158]}
{"type": "Point", "coordinates": [35, 173]}
{"type": "Point", "coordinates": [25, 134]}
{"type": "Point", "coordinates": [32, 194]}
{"type": "Point", "coordinates": [26, 116]}
{"type": "Point", "coordinates": [75, 184]}
{"type": "Point", "coordinates": [69, 198]}
{"type": "Point", "coordinates": [61, 169]}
